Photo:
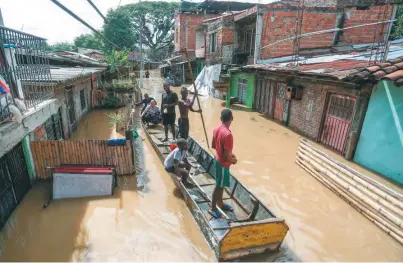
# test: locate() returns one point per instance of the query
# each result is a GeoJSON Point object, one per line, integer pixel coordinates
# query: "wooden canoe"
{"type": "Point", "coordinates": [251, 229]}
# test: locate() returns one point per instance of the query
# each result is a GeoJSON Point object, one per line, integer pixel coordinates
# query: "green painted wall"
{"type": "Point", "coordinates": [233, 90]}
{"type": "Point", "coordinates": [28, 157]}
{"type": "Point", "coordinates": [380, 147]}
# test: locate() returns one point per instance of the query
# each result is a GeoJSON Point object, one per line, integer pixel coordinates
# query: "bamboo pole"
{"type": "Point", "coordinates": [379, 196]}
{"type": "Point", "coordinates": [356, 173]}
{"type": "Point", "coordinates": [197, 97]}
{"type": "Point", "coordinates": [396, 220]}
{"type": "Point", "coordinates": [384, 225]}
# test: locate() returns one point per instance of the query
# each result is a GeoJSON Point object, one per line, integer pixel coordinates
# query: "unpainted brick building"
{"type": "Point", "coordinates": [186, 25]}
{"type": "Point", "coordinates": [327, 109]}
{"type": "Point", "coordinates": [280, 23]}
{"type": "Point", "coordinates": [260, 32]}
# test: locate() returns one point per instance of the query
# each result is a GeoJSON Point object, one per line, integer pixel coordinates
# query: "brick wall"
{"type": "Point", "coordinates": [189, 23]}
{"type": "Point", "coordinates": [279, 24]}
{"type": "Point", "coordinates": [306, 114]}
{"type": "Point", "coordinates": [365, 34]}
{"type": "Point", "coordinates": [224, 27]}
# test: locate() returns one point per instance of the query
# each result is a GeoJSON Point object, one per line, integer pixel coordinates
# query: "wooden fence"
{"type": "Point", "coordinates": [89, 152]}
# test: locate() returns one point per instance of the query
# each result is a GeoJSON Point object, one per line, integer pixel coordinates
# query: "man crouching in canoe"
{"type": "Point", "coordinates": [223, 144]}
{"type": "Point", "coordinates": [176, 162]}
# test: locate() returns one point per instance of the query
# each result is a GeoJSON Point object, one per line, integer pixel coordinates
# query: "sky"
{"type": "Point", "coordinates": [44, 19]}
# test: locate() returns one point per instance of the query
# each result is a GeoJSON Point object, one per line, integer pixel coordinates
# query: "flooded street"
{"type": "Point", "coordinates": [323, 227]}
{"type": "Point", "coordinates": [154, 224]}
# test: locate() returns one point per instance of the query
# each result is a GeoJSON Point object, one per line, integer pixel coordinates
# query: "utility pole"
{"type": "Point", "coordinates": [141, 50]}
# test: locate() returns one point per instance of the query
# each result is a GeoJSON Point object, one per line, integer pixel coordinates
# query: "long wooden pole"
{"type": "Point", "coordinates": [197, 97]}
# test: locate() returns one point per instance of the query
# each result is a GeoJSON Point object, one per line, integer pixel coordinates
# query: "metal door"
{"type": "Point", "coordinates": [14, 181]}
{"type": "Point", "coordinates": [257, 105]}
{"type": "Point", "coordinates": [280, 100]}
{"type": "Point", "coordinates": [337, 123]}
{"type": "Point", "coordinates": [242, 90]}
{"type": "Point", "coordinates": [264, 96]}
{"type": "Point", "coordinates": [71, 110]}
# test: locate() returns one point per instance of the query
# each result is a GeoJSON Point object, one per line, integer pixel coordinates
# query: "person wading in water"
{"type": "Point", "coordinates": [185, 105]}
{"type": "Point", "coordinates": [169, 101]}
{"type": "Point", "coordinates": [223, 144]}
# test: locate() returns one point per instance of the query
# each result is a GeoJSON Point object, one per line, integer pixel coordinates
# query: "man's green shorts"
{"type": "Point", "coordinates": [221, 175]}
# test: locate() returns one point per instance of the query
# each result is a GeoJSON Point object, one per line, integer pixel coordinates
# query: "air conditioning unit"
{"type": "Point", "coordinates": [294, 92]}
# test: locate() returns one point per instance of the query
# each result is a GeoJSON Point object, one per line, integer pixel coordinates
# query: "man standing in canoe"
{"type": "Point", "coordinates": [223, 144]}
{"type": "Point", "coordinates": [168, 102]}
{"type": "Point", "coordinates": [185, 105]}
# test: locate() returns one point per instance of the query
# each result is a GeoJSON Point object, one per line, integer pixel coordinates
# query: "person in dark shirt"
{"type": "Point", "coordinates": [147, 74]}
{"type": "Point", "coordinates": [168, 102]}
{"type": "Point", "coordinates": [146, 101]}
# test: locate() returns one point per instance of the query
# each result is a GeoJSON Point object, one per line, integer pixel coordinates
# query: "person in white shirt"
{"type": "Point", "coordinates": [151, 113]}
{"type": "Point", "coordinates": [176, 162]}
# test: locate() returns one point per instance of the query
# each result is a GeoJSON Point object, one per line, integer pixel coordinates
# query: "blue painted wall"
{"type": "Point", "coordinates": [380, 146]}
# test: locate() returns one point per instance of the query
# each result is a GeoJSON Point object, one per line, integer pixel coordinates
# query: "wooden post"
{"type": "Point", "coordinates": [197, 97]}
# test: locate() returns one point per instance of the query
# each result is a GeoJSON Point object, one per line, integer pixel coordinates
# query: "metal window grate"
{"type": "Point", "coordinates": [82, 100]}
{"type": "Point", "coordinates": [14, 181]}
{"type": "Point", "coordinates": [25, 66]}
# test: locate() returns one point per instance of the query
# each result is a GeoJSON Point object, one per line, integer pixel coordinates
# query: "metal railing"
{"type": "Point", "coordinates": [24, 66]}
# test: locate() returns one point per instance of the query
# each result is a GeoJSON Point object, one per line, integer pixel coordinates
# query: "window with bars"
{"type": "Point", "coordinates": [213, 42]}
{"type": "Point", "coordinates": [83, 100]}
{"type": "Point", "coordinates": [54, 127]}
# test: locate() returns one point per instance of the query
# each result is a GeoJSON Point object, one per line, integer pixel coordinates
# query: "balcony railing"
{"type": "Point", "coordinates": [25, 67]}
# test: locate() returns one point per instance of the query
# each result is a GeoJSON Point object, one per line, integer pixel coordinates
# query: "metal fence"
{"type": "Point", "coordinates": [25, 67]}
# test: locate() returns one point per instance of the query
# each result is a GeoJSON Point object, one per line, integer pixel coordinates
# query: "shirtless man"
{"type": "Point", "coordinates": [185, 105]}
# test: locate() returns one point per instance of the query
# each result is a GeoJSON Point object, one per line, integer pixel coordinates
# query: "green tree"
{"type": "Point", "coordinates": [62, 46]}
{"type": "Point", "coordinates": [91, 41]}
{"type": "Point", "coordinates": [397, 29]}
{"type": "Point", "coordinates": [154, 19]}
{"type": "Point", "coordinates": [116, 59]}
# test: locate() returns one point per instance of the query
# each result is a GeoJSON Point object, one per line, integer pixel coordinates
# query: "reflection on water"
{"type": "Point", "coordinates": [323, 227]}
{"type": "Point", "coordinates": [155, 224]}
{"type": "Point", "coordinates": [132, 225]}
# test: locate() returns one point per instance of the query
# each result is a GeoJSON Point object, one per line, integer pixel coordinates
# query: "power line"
{"type": "Point", "coordinates": [96, 9]}
{"type": "Point", "coordinates": [82, 21]}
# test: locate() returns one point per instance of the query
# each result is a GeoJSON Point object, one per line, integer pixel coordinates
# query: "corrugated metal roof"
{"type": "Point", "coordinates": [334, 69]}
{"type": "Point", "coordinates": [61, 75]}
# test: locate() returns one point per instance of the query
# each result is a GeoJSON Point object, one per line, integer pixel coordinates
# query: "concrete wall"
{"type": "Point", "coordinates": [12, 133]}
{"type": "Point", "coordinates": [380, 146]}
{"type": "Point", "coordinates": [61, 95]}
{"type": "Point", "coordinates": [224, 27]}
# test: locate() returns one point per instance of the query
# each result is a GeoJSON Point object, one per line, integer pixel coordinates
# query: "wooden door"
{"type": "Point", "coordinates": [337, 122]}
{"type": "Point", "coordinates": [264, 96]}
{"type": "Point", "coordinates": [280, 100]}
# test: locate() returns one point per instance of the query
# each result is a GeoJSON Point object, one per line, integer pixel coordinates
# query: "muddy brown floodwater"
{"type": "Point", "coordinates": [323, 227]}
{"type": "Point", "coordinates": [155, 224]}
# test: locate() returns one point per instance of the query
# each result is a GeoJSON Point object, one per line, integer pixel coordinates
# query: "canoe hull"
{"type": "Point", "coordinates": [238, 239]}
